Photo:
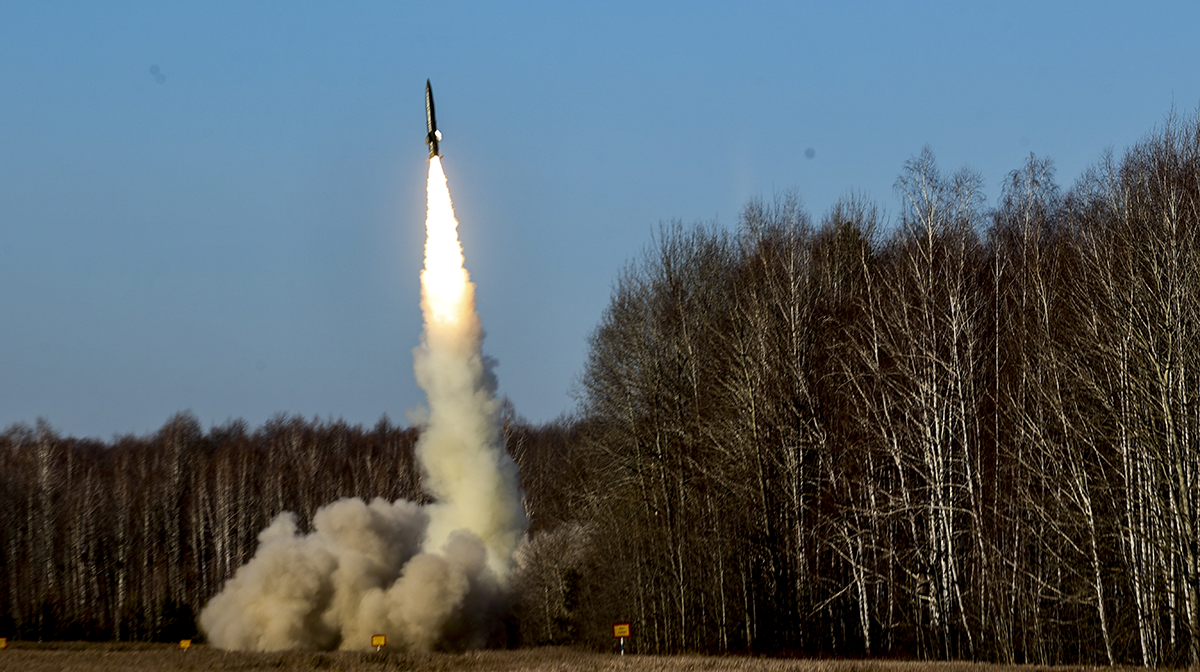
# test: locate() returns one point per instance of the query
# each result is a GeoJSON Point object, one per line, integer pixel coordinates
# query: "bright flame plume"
{"type": "Point", "coordinates": [447, 295]}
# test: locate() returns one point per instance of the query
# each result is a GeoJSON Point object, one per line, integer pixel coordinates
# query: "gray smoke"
{"type": "Point", "coordinates": [359, 573]}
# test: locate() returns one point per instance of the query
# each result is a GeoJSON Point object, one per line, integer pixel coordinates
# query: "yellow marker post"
{"type": "Point", "coordinates": [3, 642]}
{"type": "Point", "coordinates": [378, 641]}
{"type": "Point", "coordinates": [185, 644]}
{"type": "Point", "coordinates": [621, 631]}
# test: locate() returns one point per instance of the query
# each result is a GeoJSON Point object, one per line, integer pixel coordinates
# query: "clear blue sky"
{"type": "Point", "coordinates": [219, 206]}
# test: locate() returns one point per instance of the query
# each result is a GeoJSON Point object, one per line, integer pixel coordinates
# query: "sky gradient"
{"type": "Point", "coordinates": [219, 207]}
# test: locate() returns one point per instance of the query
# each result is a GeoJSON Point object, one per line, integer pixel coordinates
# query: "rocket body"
{"type": "Point", "coordinates": [433, 135]}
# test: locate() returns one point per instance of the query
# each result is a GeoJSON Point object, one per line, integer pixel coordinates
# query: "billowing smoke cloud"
{"type": "Point", "coordinates": [427, 577]}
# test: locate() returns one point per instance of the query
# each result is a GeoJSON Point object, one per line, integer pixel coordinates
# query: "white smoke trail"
{"type": "Point", "coordinates": [461, 449]}
{"type": "Point", "coordinates": [428, 577]}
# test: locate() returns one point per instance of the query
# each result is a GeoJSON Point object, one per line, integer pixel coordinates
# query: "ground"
{"type": "Point", "coordinates": [80, 657]}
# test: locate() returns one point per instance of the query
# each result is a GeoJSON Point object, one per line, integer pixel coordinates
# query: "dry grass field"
{"type": "Point", "coordinates": [80, 657]}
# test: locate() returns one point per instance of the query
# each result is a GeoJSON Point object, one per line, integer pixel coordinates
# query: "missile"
{"type": "Point", "coordinates": [434, 136]}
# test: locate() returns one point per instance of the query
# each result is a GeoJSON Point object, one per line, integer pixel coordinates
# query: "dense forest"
{"type": "Point", "coordinates": [961, 431]}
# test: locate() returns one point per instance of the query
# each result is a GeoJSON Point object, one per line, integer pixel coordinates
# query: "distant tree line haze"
{"type": "Point", "coordinates": [959, 432]}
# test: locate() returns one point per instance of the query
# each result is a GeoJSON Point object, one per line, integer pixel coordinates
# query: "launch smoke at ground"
{"type": "Point", "coordinates": [428, 577]}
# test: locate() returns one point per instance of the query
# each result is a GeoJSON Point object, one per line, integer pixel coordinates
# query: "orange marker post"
{"type": "Point", "coordinates": [378, 641]}
{"type": "Point", "coordinates": [621, 631]}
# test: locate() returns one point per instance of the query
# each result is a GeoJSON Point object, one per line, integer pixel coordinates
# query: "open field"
{"type": "Point", "coordinates": [81, 657]}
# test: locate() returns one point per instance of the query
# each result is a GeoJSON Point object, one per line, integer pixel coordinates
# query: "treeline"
{"type": "Point", "coordinates": [129, 539]}
{"type": "Point", "coordinates": [971, 432]}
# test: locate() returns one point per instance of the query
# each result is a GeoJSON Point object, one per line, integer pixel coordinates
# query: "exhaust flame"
{"type": "Point", "coordinates": [447, 295]}
{"type": "Point", "coordinates": [428, 577]}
